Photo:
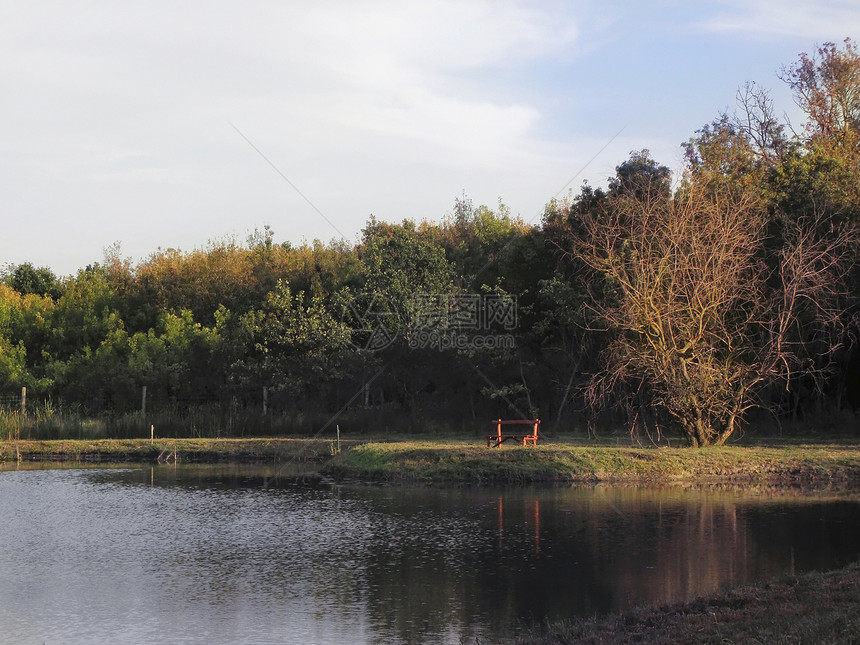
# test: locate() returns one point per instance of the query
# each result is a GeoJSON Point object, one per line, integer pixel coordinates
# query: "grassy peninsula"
{"type": "Point", "coordinates": [465, 463]}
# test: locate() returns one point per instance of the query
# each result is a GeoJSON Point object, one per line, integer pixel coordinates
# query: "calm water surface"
{"type": "Point", "coordinates": [202, 554]}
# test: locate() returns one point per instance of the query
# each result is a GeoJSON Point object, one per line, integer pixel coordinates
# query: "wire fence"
{"type": "Point", "coordinates": [143, 401]}
{"type": "Point", "coordinates": [217, 411]}
{"type": "Point", "coordinates": [11, 402]}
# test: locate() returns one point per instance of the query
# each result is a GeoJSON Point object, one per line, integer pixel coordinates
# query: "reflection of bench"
{"type": "Point", "coordinates": [495, 440]}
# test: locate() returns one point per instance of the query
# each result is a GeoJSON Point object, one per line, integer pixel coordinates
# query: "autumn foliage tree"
{"type": "Point", "coordinates": [826, 86]}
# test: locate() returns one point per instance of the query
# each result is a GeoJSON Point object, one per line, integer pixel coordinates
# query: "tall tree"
{"type": "Point", "coordinates": [826, 86]}
{"type": "Point", "coordinates": [298, 341]}
{"type": "Point", "coordinates": [641, 177]}
{"type": "Point", "coordinates": [41, 281]}
{"type": "Point", "coordinates": [702, 323]}
{"type": "Point", "coordinates": [401, 263]}
{"type": "Point", "coordinates": [821, 179]}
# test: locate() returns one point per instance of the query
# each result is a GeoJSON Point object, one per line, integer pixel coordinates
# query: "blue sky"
{"type": "Point", "coordinates": [130, 122]}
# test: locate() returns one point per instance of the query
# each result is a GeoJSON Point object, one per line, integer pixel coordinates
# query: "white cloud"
{"type": "Point", "coordinates": [392, 69]}
{"type": "Point", "coordinates": [822, 20]}
{"type": "Point", "coordinates": [115, 119]}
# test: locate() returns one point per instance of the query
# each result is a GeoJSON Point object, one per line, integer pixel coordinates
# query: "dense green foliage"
{"type": "Point", "coordinates": [430, 325]}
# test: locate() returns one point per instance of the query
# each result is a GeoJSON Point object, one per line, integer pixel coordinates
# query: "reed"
{"type": "Point", "coordinates": [204, 421]}
{"type": "Point", "coordinates": [10, 425]}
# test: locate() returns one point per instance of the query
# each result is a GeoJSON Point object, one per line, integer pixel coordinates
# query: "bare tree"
{"type": "Point", "coordinates": [700, 317]}
{"type": "Point", "coordinates": [756, 121]}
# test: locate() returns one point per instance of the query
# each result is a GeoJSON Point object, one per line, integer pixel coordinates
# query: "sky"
{"type": "Point", "coordinates": [182, 123]}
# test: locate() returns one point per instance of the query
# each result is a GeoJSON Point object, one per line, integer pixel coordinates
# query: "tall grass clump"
{"type": "Point", "coordinates": [196, 421]}
{"type": "Point", "coordinates": [45, 422]}
{"type": "Point", "coordinates": [10, 425]}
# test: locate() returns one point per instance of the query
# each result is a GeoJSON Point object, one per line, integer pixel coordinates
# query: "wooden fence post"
{"type": "Point", "coordinates": [143, 402]}
{"type": "Point", "coordinates": [23, 402]}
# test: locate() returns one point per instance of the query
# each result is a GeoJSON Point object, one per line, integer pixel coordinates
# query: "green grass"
{"type": "Point", "coordinates": [462, 462]}
{"type": "Point", "coordinates": [144, 450]}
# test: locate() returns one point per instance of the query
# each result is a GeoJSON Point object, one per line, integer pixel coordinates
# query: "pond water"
{"type": "Point", "coordinates": [229, 554]}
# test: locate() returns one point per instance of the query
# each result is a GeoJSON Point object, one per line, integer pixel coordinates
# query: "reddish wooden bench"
{"type": "Point", "coordinates": [495, 440]}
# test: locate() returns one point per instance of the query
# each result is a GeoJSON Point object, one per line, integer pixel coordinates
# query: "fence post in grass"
{"type": "Point", "coordinates": [143, 402]}
{"type": "Point", "coordinates": [23, 402]}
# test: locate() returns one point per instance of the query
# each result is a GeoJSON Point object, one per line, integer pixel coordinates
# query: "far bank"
{"type": "Point", "coordinates": [466, 462]}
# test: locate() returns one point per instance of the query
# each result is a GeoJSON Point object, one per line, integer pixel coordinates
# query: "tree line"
{"type": "Point", "coordinates": [686, 304]}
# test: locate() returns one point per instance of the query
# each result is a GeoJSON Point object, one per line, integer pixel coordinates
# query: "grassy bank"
{"type": "Point", "coordinates": [144, 450]}
{"type": "Point", "coordinates": [468, 462]}
{"type": "Point", "coordinates": [812, 608]}
{"type": "Point", "coordinates": [475, 464]}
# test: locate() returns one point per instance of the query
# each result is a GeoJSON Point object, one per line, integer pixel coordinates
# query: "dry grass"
{"type": "Point", "coordinates": [812, 608]}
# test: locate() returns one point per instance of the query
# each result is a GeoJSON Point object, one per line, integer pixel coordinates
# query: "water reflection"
{"type": "Point", "coordinates": [195, 554]}
{"type": "Point", "coordinates": [534, 503]}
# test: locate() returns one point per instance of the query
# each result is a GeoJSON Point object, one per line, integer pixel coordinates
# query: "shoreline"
{"type": "Point", "coordinates": [465, 462]}
{"type": "Point", "coordinates": [433, 462]}
{"type": "Point", "coordinates": [813, 607]}
{"type": "Point", "coordinates": [242, 450]}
